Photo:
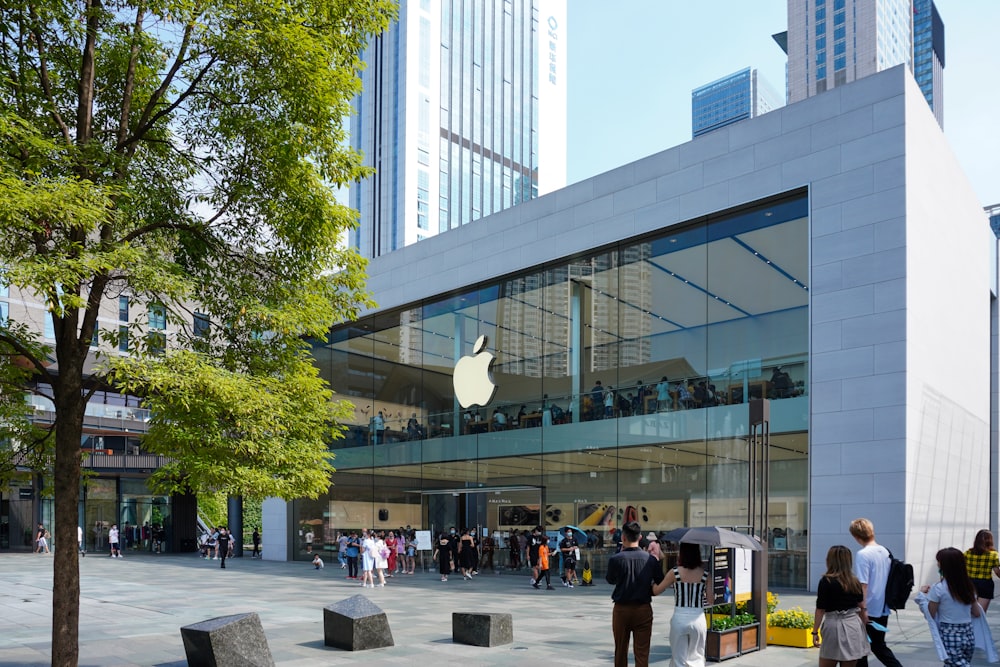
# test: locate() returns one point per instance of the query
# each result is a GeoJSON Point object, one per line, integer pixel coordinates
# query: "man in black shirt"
{"type": "Point", "coordinates": [224, 539]}
{"type": "Point", "coordinates": [568, 547]}
{"type": "Point", "coordinates": [632, 572]}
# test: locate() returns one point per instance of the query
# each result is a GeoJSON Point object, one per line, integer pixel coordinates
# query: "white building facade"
{"type": "Point", "coordinates": [462, 114]}
{"type": "Point", "coordinates": [883, 322]}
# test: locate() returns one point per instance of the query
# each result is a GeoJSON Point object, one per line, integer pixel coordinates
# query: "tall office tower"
{"type": "Point", "coordinates": [928, 55]}
{"type": "Point", "coordinates": [833, 42]}
{"type": "Point", "coordinates": [741, 95]}
{"type": "Point", "coordinates": [462, 114]}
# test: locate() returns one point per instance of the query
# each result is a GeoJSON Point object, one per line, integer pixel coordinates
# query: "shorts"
{"type": "Point", "coordinates": [984, 588]}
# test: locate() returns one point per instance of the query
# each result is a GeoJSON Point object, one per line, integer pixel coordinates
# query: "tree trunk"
{"type": "Point", "coordinates": [66, 571]}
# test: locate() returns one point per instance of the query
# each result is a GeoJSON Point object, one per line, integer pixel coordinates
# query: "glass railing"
{"type": "Point", "coordinates": [774, 381]}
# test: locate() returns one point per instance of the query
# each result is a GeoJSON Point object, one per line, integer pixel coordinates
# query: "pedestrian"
{"type": "Point", "coordinates": [467, 554]}
{"type": "Point", "coordinates": [353, 551]}
{"type": "Point", "coordinates": [390, 543]}
{"type": "Point", "coordinates": [982, 562]}
{"type": "Point", "coordinates": [570, 549]}
{"type": "Point", "coordinates": [442, 552]}
{"type": "Point", "coordinates": [342, 550]}
{"type": "Point", "coordinates": [411, 551]}
{"type": "Point", "coordinates": [367, 559]}
{"type": "Point", "coordinates": [489, 546]}
{"type": "Point", "coordinates": [543, 564]}
{"type": "Point", "coordinates": [79, 541]}
{"type": "Point", "coordinates": [256, 543]}
{"type": "Point", "coordinates": [687, 626]}
{"type": "Point", "coordinates": [514, 550]}
{"type": "Point", "coordinates": [381, 558]}
{"type": "Point", "coordinates": [41, 541]}
{"type": "Point", "coordinates": [871, 566]}
{"type": "Point", "coordinates": [536, 541]}
{"type": "Point", "coordinates": [952, 603]}
{"type": "Point", "coordinates": [318, 562]}
{"type": "Point", "coordinates": [632, 572]}
{"type": "Point", "coordinates": [309, 537]}
{"type": "Point", "coordinates": [213, 543]}
{"type": "Point", "coordinates": [224, 543]}
{"type": "Point", "coordinates": [839, 620]}
{"type": "Point", "coordinates": [113, 537]}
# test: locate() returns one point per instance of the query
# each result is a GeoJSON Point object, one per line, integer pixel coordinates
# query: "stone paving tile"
{"type": "Point", "coordinates": [132, 611]}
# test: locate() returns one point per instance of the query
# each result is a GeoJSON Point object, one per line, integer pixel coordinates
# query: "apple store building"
{"type": "Point", "coordinates": [591, 357]}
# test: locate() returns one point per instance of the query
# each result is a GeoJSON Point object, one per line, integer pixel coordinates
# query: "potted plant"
{"type": "Point", "coordinates": [730, 636]}
{"type": "Point", "coordinates": [790, 627]}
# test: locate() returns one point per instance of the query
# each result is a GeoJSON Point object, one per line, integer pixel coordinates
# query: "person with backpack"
{"type": "Point", "coordinates": [871, 567]}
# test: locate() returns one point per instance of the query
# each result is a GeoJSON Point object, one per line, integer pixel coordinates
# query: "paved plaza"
{"type": "Point", "coordinates": [132, 610]}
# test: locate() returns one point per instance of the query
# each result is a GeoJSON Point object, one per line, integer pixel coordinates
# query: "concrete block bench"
{"type": "Point", "coordinates": [356, 624]}
{"type": "Point", "coordinates": [227, 641]}
{"type": "Point", "coordinates": [482, 629]}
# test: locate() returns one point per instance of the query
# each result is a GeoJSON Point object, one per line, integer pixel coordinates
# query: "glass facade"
{"type": "Point", "coordinates": [732, 98]}
{"type": "Point", "coordinates": [623, 378]}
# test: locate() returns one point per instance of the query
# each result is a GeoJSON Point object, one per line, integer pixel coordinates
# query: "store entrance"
{"type": "Point", "coordinates": [491, 512]}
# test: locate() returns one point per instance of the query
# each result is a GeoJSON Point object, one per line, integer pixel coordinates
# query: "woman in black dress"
{"type": "Point", "coordinates": [442, 552]}
{"type": "Point", "coordinates": [468, 556]}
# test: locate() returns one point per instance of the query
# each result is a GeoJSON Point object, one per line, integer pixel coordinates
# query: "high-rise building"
{"type": "Point", "coordinates": [741, 95]}
{"type": "Point", "coordinates": [833, 42]}
{"type": "Point", "coordinates": [462, 114]}
{"type": "Point", "coordinates": [928, 55]}
{"type": "Point", "coordinates": [994, 214]}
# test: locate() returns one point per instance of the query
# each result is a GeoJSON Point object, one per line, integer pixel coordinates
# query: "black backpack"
{"type": "Point", "coordinates": [899, 583]}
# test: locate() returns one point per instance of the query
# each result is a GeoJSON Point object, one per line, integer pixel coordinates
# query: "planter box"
{"type": "Point", "coordinates": [795, 637]}
{"type": "Point", "coordinates": [722, 644]}
{"type": "Point", "coordinates": [725, 644]}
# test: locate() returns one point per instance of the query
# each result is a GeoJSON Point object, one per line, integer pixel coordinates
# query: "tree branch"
{"type": "Point", "coordinates": [85, 89]}
{"type": "Point", "coordinates": [130, 75]}
{"type": "Point", "coordinates": [24, 352]}
{"type": "Point", "coordinates": [43, 76]}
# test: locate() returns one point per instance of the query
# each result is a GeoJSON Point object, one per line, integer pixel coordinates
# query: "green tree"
{"type": "Point", "coordinates": [181, 152]}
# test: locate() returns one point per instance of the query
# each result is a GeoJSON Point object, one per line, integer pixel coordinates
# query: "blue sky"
{"type": "Point", "coordinates": [633, 63]}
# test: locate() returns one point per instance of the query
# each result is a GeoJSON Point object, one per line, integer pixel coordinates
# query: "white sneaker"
{"type": "Point", "coordinates": [570, 585]}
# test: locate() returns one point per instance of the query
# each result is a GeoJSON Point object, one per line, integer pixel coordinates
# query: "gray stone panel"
{"type": "Point", "coordinates": [356, 624]}
{"type": "Point", "coordinates": [227, 641]}
{"type": "Point", "coordinates": [482, 629]}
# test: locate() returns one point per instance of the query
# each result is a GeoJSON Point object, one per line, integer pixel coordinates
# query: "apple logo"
{"type": "Point", "coordinates": [474, 377]}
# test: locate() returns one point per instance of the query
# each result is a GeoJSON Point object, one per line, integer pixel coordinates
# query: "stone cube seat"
{"type": "Point", "coordinates": [356, 624]}
{"type": "Point", "coordinates": [482, 629]}
{"type": "Point", "coordinates": [227, 641]}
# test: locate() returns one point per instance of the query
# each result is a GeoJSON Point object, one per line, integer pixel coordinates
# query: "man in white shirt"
{"type": "Point", "coordinates": [871, 566]}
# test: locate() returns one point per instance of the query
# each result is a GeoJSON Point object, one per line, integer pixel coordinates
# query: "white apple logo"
{"type": "Point", "coordinates": [473, 377]}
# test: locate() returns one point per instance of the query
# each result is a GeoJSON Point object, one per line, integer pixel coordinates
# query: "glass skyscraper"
{"type": "Point", "coordinates": [461, 114]}
{"type": "Point", "coordinates": [741, 95]}
{"type": "Point", "coordinates": [833, 42]}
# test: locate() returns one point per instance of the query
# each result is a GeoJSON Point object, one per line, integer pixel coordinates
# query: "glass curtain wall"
{"type": "Point", "coordinates": [622, 386]}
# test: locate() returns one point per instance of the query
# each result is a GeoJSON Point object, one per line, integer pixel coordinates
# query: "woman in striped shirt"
{"type": "Point", "coordinates": [687, 626]}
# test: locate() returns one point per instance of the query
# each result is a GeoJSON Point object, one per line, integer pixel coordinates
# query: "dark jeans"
{"type": "Point", "coordinates": [879, 649]}
{"type": "Point", "coordinates": [352, 566]}
{"type": "Point", "coordinates": [635, 621]}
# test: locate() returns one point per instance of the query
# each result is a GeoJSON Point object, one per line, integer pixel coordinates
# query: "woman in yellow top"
{"type": "Point", "coordinates": [982, 562]}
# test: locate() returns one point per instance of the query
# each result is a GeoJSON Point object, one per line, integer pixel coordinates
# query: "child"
{"type": "Point", "coordinates": [953, 604]}
{"type": "Point", "coordinates": [318, 562]}
{"type": "Point", "coordinates": [543, 564]}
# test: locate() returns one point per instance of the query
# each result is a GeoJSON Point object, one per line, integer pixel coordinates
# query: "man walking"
{"type": "Point", "coordinates": [632, 572]}
{"type": "Point", "coordinates": [871, 566]}
{"type": "Point", "coordinates": [223, 544]}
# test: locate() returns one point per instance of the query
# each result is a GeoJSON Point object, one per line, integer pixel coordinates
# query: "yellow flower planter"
{"type": "Point", "coordinates": [796, 637]}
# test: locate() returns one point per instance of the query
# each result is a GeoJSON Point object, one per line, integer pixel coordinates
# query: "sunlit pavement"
{"type": "Point", "coordinates": [132, 610]}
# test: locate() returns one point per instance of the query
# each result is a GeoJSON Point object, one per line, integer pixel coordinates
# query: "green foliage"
{"type": "Point", "coordinates": [744, 606]}
{"type": "Point", "coordinates": [790, 618]}
{"type": "Point", "coordinates": [720, 623]}
{"type": "Point", "coordinates": [183, 153]}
